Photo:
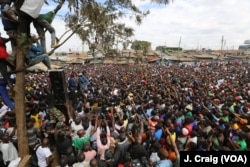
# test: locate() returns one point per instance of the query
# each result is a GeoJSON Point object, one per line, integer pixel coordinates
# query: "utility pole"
{"type": "Point", "coordinates": [180, 42]}
{"type": "Point", "coordinates": [179, 46]}
{"type": "Point", "coordinates": [82, 47]}
{"type": "Point", "coordinates": [222, 43]}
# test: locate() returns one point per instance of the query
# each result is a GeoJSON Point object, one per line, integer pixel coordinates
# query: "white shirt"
{"type": "Point", "coordinates": [3, 110]}
{"type": "Point", "coordinates": [9, 151]}
{"type": "Point", "coordinates": [154, 157]}
{"type": "Point", "coordinates": [75, 128]}
{"type": "Point", "coordinates": [43, 114]}
{"type": "Point", "coordinates": [81, 164]}
{"type": "Point", "coordinates": [32, 7]}
{"type": "Point", "coordinates": [42, 153]}
{"type": "Point", "coordinates": [14, 163]}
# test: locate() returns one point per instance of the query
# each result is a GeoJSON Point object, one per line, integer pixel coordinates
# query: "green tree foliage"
{"type": "Point", "coordinates": [91, 19]}
{"type": "Point", "coordinates": [101, 20]}
{"type": "Point", "coordinates": [141, 45]}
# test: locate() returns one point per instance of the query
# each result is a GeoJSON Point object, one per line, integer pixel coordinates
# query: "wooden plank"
{"type": "Point", "coordinates": [24, 162]}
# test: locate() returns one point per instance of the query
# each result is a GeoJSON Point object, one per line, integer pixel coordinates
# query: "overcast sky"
{"type": "Point", "coordinates": [199, 23]}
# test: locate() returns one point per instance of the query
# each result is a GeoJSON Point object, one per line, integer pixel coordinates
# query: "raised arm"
{"type": "Point", "coordinates": [98, 139]}
{"type": "Point", "coordinates": [141, 123]}
{"type": "Point", "coordinates": [59, 6]}
{"type": "Point", "coordinates": [89, 129]}
{"type": "Point", "coordinates": [172, 142]}
{"type": "Point", "coordinates": [67, 105]}
{"type": "Point", "coordinates": [108, 132]}
{"type": "Point", "coordinates": [95, 128]}
{"type": "Point", "coordinates": [113, 119]}
{"type": "Point", "coordinates": [145, 114]}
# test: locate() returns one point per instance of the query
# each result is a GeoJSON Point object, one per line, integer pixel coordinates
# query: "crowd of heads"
{"type": "Point", "coordinates": [144, 113]}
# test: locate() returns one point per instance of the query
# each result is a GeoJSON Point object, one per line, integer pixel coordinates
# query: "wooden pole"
{"type": "Point", "coordinates": [24, 162]}
{"type": "Point", "coordinates": [23, 148]}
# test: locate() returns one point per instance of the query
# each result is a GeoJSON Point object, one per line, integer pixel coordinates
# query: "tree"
{"type": "Point", "coordinates": [102, 20]}
{"type": "Point", "coordinates": [141, 49]}
{"type": "Point", "coordinates": [88, 19]}
{"type": "Point", "coordinates": [141, 45]}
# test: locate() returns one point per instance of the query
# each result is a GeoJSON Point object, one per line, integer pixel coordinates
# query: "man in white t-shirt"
{"type": "Point", "coordinates": [8, 149]}
{"type": "Point", "coordinates": [29, 11]}
{"type": "Point", "coordinates": [43, 153]}
{"type": "Point", "coordinates": [75, 126]}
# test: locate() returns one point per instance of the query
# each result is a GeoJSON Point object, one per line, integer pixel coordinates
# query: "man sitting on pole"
{"type": "Point", "coordinates": [36, 55]}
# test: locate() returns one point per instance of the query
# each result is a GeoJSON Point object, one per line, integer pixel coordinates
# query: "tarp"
{"type": "Point", "coordinates": [41, 67]}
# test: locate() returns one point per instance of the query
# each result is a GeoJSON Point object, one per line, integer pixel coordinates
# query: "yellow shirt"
{"type": "Point", "coordinates": [235, 126]}
{"type": "Point", "coordinates": [37, 120]}
{"type": "Point", "coordinates": [173, 137]}
{"type": "Point", "coordinates": [125, 123]}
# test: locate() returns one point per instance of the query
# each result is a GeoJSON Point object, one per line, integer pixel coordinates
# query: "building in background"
{"type": "Point", "coordinates": [245, 47]}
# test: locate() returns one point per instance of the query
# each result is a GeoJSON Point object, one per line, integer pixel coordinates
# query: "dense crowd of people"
{"type": "Point", "coordinates": [117, 115]}
{"type": "Point", "coordinates": [132, 115]}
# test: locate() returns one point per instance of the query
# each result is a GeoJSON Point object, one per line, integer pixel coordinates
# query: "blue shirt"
{"type": "Point", "coordinates": [158, 134]}
{"type": "Point", "coordinates": [164, 163]}
{"type": "Point", "coordinates": [72, 84]}
{"type": "Point", "coordinates": [149, 111]}
{"type": "Point", "coordinates": [7, 24]}
{"type": "Point", "coordinates": [35, 50]}
{"type": "Point", "coordinates": [83, 81]}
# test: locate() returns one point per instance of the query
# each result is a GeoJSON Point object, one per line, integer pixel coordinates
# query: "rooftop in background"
{"type": "Point", "coordinates": [247, 42]}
